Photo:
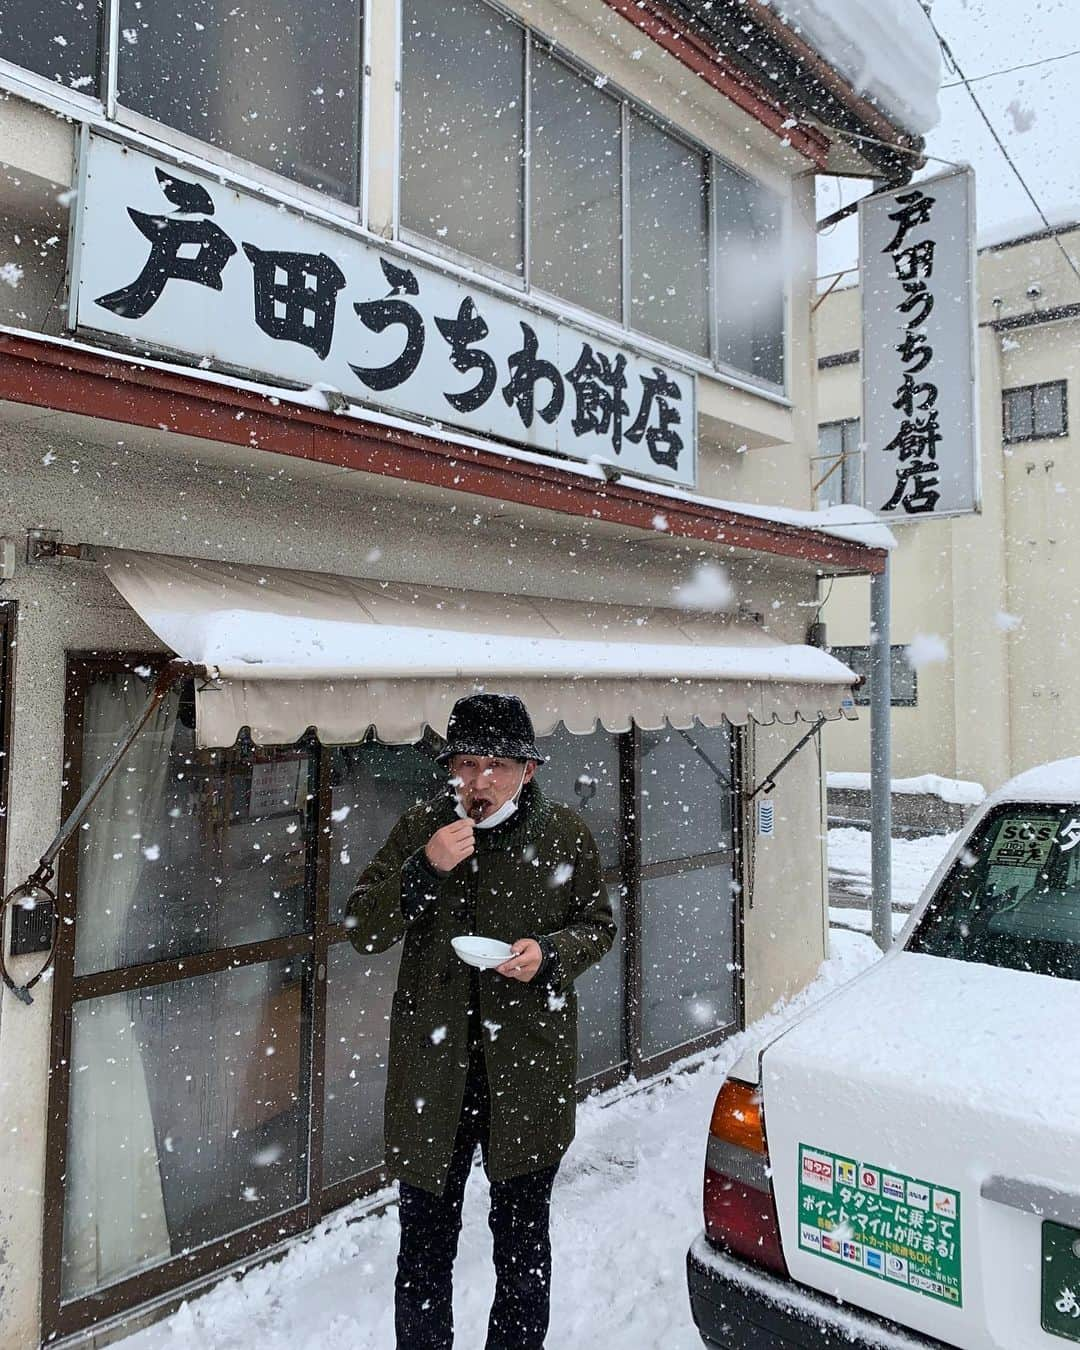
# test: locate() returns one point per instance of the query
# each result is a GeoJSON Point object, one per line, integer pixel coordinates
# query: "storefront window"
{"type": "Point", "coordinates": [187, 1118]}
{"type": "Point", "coordinates": [266, 80]}
{"type": "Point", "coordinates": [463, 121]}
{"type": "Point", "coordinates": [688, 978]}
{"type": "Point", "coordinates": [576, 188]}
{"type": "Point", "coordinates": [669, 238]}
{"type": "Point", "coordinates": [582, 772]}
{"type": "Point", "coordinates": [358, 994]}
{"type": "Point", "coordinates": [186, 851]}
{"type": "Point", "coordinates": [66, 47]}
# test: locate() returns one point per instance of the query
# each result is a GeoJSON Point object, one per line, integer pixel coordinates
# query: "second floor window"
{"type": "Point", "coordinates": [514, 158]}
{"type": "Point", "coordinates": [65, 48]}
{"type": "Point", "coordinates": [266, 80]}
{"type": "Point", "coordinates": [837, 469]}
{"type": "Point", "coordinates": [1035, 412]}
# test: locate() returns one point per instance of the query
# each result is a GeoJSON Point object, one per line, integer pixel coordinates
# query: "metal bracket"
{"type": "Point", "coordinates": [46, 548]}
{"type": "Point", "coordinates": [769, 781]}
{"type": "Point", "coordinates": [43, 547]}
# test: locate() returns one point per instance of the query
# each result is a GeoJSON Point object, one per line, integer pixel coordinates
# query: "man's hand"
{"type": "Point", "coordinates": [450, 845]}
{"type": "Point", "coordinates": [524, 963]}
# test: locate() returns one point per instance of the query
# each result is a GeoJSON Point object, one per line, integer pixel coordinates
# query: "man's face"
{"type": "Point", "coordinates": [484, 782]}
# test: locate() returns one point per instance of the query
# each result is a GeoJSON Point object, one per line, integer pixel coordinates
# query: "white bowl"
{"type": "Point", "coordinates": [481, 952]}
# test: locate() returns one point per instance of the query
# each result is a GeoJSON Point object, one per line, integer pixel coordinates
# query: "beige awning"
{"type": "Point", "coordinates": [291, 650]}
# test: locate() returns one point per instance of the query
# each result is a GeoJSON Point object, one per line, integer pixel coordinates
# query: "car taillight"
{"type": "Point", "coordinates": [740, 1213]}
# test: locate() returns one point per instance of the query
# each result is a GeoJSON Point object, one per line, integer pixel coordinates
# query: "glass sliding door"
{"type": "Point", "coordinates": [687, 880]}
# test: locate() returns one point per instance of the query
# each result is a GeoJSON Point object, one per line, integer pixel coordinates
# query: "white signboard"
{"type": "Point", "coordinates": [176, 262]}
{"type": "Point", "coordinates": [917, 256]}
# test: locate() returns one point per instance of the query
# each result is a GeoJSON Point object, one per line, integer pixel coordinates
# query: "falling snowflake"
{"type": "Point", "coordinates": [926, 649]}
{"type": "Point", "coordinates": [709, 588]}
{"type": "Point", "coordinates": [11, 274]}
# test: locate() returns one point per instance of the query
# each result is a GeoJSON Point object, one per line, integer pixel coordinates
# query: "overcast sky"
{"type": "Point", "coordinates": [1035, 111]}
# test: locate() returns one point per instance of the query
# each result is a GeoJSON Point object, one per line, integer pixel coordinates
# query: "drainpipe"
{"type": "Point", "coordinates": [881, 758]}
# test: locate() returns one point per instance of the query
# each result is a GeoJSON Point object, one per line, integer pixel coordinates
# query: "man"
{"type": "Point", "coordinates": [482, 1057]}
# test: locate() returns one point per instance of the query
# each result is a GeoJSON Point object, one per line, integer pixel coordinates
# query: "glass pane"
{"type": "Point", "coordinates": [186, 850]}
{"type": "Point", "coordinates": [358, 994]}
{"type": "Point", "coordinates": [462, 129]}
{"type": "Point", "coordinates": [830, 438]}
{"type": "Point", "coordinates": [751, 275]}
{"type": "Point", "coordinates": [65, 46]}
{"type": "Point", "coordinates": [669, 238]}
{"type": "Point", "coordinates": [373, 785]}
{"type": "Point", "coordinates": [582, 772]}
{"type": "Point", "coordinates": [267, 80]}
{"type": "Point", "coordinates": [1019, 423]}
{"type": "Point", "coordinates": [687, 957]}
{"type": "Point", "coordinates": [853, 464]}
{"type": "Point", "coordinates": [1049, 400]}
{"type": "Point", "coordinates": [1013, 897]}
{"type": "Point", "coordinates": [685, 792]}
{"type": "Point", "coordinates": [188, 1118]}
{"type": "Point", "coordinates": [576, 189]}
{"type": "Point", "coordinates": [600, 1004]}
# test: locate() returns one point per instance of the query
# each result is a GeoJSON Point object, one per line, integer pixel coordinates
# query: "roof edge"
{"type": "Point", "coordinates": [68, 376]}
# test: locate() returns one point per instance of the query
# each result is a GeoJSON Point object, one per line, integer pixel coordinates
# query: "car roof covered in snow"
{"type": "Point", "coordinates": [1058, 781]}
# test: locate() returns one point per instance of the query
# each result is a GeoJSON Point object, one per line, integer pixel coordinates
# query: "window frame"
{"type": "Point", "coordinates": [426, 248]}
{"type": "Point", "coordinates": [168, 1282]}
{"type": "Point", "coordinates": [1031, 390]}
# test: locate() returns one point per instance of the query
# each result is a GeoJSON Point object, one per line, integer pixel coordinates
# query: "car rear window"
{"type": "Point", "coordinates": [1012, 897]}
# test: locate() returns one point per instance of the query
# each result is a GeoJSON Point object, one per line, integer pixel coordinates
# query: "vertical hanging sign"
{"type": "Point", "coordinates": [917, 254]}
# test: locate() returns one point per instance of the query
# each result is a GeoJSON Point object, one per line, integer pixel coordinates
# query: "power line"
{"type": "Point", "coordinates": [997, 139]}
{"type": "Point", "coordinates": [1009, 70]}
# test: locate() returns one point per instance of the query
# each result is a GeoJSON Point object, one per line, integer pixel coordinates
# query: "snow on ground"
{"type": "Point", "coordinates": [626, 1206]}
{"type": "Point", "coordinates": [913, 862]}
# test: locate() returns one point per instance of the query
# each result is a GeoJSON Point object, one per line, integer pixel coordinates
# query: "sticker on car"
{"type": "Point", "coordinates": [904, 1230]}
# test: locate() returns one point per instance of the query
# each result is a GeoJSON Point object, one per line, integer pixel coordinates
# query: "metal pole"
{"type": "Point", "coordinates": [881, 759]}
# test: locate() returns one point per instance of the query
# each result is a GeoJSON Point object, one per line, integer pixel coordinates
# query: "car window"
{"type": "Point", "coordinates": [1012, 898]}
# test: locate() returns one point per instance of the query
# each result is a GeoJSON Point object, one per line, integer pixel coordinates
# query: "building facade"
{"type": "Point", "coordinates": [987, 598]}
{"type": "Point", "coordinates": [352, 360]}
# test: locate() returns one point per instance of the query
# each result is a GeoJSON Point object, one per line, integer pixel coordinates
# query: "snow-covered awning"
{"type": "Point", "coordinates": [290, 650]}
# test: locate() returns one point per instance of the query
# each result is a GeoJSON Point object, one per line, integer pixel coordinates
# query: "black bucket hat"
{"type": "Point", "coordinates": [490, 725]}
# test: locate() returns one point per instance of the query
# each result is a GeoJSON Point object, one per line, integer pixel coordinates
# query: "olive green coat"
{"type": "Point", "coordinates": [538, 874]}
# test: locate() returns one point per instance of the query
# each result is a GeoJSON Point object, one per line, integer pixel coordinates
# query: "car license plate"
{"type": "Point", "coordinates": [1061, 1280]}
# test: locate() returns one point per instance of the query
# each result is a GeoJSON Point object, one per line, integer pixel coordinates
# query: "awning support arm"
{"type": "Point", "coordinates": [769, 781]}
{"type": "Point", "coordinates": [35, 889]}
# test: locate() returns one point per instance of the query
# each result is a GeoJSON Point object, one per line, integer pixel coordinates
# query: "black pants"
{"type": "Point", "coordinates": [430, 1225]}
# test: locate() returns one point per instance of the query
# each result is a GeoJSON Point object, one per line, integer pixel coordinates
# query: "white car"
{"type": "Point", "coordinates": [900, 1166]}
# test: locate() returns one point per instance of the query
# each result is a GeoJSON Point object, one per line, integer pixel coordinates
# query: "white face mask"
{"type": "Point", "coordinates": [500, 813]}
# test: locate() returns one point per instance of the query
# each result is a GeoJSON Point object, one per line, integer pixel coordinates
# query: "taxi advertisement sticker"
{"type": "Point", "coordinates": [896, 1228]}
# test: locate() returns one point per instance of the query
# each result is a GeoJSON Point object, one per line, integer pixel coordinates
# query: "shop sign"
{"type": "Point", "coordinates": [881, 1223]}
{"type": "Point", "coordinates": [917, 258]}
{"type": "Point", "coordinates": [178, 263]}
